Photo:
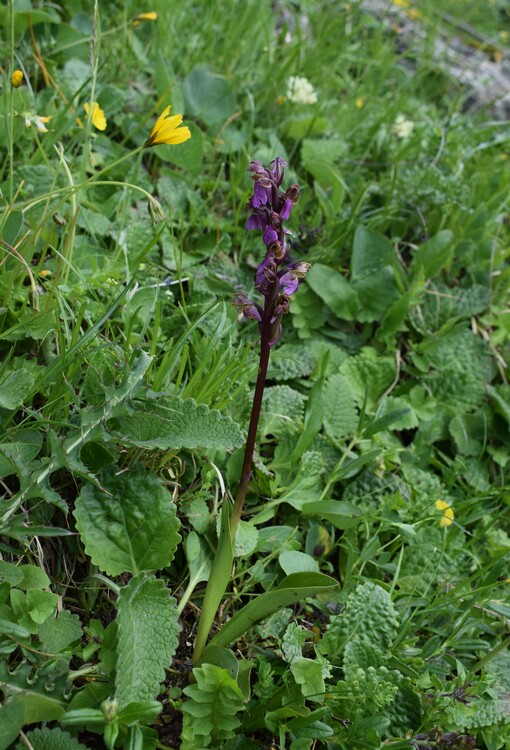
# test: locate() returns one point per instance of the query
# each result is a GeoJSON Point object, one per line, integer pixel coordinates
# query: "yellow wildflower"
{"type": "Point", "coordinates": [98, 117]}
{"type": "Point", "coordinates": [414, 14]}
{"type": "Point", "coordinates": [448, 515]}
{"type": "Point", "coordinates": [359, 102]}
{"type": "Point", "coordinates": [167, 131]}
{"type": "Point", "coordinates": [151, 16]}
{"type": "Point", "coordinates": [402, 3]}
{"type": "Point", "coordinates": [17, 79]}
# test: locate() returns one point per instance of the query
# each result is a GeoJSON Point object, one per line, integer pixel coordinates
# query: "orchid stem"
{"type": "Point", "coordinates": [265, 350]}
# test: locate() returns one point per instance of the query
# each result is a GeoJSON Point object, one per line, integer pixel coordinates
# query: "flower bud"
{"type": "Point", "coordinates": [17, 79]}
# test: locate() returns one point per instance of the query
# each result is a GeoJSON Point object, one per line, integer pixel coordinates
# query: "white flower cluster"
{"type": "Point", "coordinates": [301, 91]}
{"type": "Point", "coordinates": [402, 127]}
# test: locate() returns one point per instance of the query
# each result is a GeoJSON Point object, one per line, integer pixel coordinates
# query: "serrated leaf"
{"type": "Point", "coordinates": [51, 739]}
{"type": "Point", "coordinates": [131, 526]}
{"type": "Point", "coordinates": [173, 423]}
{"type": "Point", "coordinates": [340, 413]}
{"type": "Point", "coordinates": [147, 638]}
{"type": "Point", "coordinates": [282, 411]}
{"type": "Point", "coordinates": [56, 634]}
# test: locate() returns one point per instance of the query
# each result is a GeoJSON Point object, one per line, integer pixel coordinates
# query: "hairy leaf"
{"type": "Point", "coordinates": [51, 739]}
{"type": "Point", "coordinates": [172, 423]}
{"type": "Point", "coordinates": [131, 526]}
{"type": "Point", "coordinates": [340, 414]}
{"type": "Point", "coordinates": [147, 638]}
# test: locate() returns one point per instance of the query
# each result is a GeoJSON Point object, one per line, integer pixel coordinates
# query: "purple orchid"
{"type": "Point", "coordinates": [275, 279]}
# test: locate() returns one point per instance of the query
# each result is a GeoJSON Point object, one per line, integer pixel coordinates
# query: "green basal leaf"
{"type": "Point", "coordinates": [292, 589]}
{"type": "Point", "coordinates": [131, 525]}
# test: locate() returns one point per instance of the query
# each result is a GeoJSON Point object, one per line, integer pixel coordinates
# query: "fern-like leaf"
{"type": "Point", "coordinates": [210, 712]}
{"type": "Point", "coordinates": [51, 739]}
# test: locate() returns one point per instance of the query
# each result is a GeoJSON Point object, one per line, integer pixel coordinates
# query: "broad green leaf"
{"type": "Point", "coordinates": [57, 633]}
{"type": "Point", "coordinates": [433, 255]}
{"type": "Point", "coordinates": [131, 525]}
{"type": "Point", "coordinates": [26, 708]}
{"type": "Point", "coordinates": [34, 577]}
{"type": "Point", "coordinates": [371, 252]}
{"type": "Point", "coordinates": [308, 675]}
{"type": "Point", "coordinates": [293, 561]}
{"type": "Point", "coordinates": [10, 573]}
{"type": "Point", "coordinates": [147, 637]}
{"type": "Point", "coordinates": [334, 290]}
{"type": "Point", "coordinates": [15, 385]}
{"type": "Point", "coordinates": [173, 423]}
{"type": "Point", "coordinates": [292, 589]}
{"type": "Point", "coordinates": [33, 607]}
{"type": "Point", "coordinates": [208, 96]}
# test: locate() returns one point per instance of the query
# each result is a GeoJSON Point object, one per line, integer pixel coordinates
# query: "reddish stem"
{"type": "Point", "coordinates": [265, 350]}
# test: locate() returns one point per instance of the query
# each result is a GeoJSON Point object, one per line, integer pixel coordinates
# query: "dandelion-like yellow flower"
{"type": "Point", "coordinates": [151, 16]}
{"type": "Point", "coordinates": [98, 116]}
{"type": "Point", "coordinates": [359, 102]}
{"type": "Point", "coordinates": [448, 515]}
{"type": "Point", "coordinates": [414, 14]}
{"type": "Point", "coordinates": [17, 79]}
{"type": "Point", "coordinates": [402, 3]}
{"type": "Point", "coordinates": [167, 131]}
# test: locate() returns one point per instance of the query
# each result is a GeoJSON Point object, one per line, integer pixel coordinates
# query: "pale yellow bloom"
{"type": "Point", "coordinates": [167, 131]}
{"type": "Point", "coordinates": [448, 515]}
{"type": "Point", "coordinates": [98, 116]}
{"type": "Point", "coordinates": [359, 102]}
{"type": "Point", "coordinates": [402, 127]}
{"type": "Point", "coordinates": [17, 79]}
{"type": "Point", "coordinates": [414, 14]}
{"type": "Point", "coordinates": [301, 91]}
{"type": "Point", "coordinates": [402, 3]}
{"type": "Point", "coordinates": [39, 122]}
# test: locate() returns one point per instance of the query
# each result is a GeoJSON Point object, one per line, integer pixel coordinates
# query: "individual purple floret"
{"type": "Point", "coordinates": [275, 279]}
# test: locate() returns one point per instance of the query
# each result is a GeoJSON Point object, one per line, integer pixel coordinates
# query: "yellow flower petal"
{"type": "Point", "coordinates": [447, 518]}
{"type": "Point", "coordinates": [359, 102]}
{"type": "Point", "coordinates": [151, 16]}
{"type": "Point", "coordinates": [17, 79]}
{"type": "Point", "coordinates": [98, 116]}
{"type": "Point", "coordinates": [167, 131]}
{"type": "Point", "coordinates": [448, 514]}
